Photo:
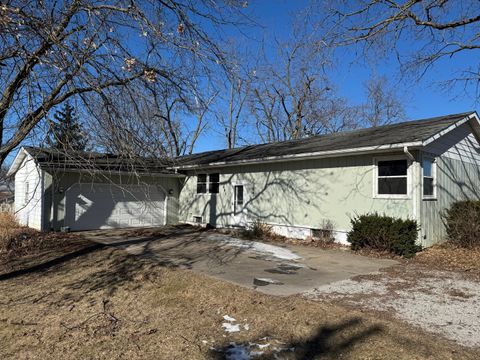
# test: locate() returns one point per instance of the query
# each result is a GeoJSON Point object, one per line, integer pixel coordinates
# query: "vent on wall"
{"type": "Point", "coordinates": [197, 219]}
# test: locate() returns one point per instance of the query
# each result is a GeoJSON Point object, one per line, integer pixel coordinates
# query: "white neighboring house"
{"type": "Point", "coordinates": [28, 191]}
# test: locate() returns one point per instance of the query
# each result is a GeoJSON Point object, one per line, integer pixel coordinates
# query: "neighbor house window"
{"type": "Point", "coordinates": [208, 183]}
{"type": "Point", "coordinates": [201, 183]}
{"type": "Point", "coordinates": [392, 177]}
{"type": "Point", "coordinates": [213, 183]}
{"type": "Point", "coordinates": [428, 166]}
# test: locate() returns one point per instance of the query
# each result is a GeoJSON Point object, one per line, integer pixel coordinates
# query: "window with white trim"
{"type": "Point", "coordinates": [208, 183]}
{"type": "Point", "coordinates": [392, 177]}
{"type": "Point", "coordinates": [428, 166]}
{"type": "Point", "coordinates": [201, 183]}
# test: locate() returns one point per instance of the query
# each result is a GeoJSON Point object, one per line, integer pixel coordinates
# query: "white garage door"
{"type": "Point", "coordinates": [106, 206]}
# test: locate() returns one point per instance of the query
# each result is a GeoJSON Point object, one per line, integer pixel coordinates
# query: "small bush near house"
{"type": "Point", "coordinates": [384, 233]}
{"type": "Point", "coordinates": [325, 233]}
{"type": "Point", "coordinates": [462, 223]}
{"type": "Point", "coordinates": [258, 230]}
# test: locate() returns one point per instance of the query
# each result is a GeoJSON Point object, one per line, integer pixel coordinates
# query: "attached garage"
{"type": "Point", "coordinates": [88, 191]}
{"type": "Point", "coordinates": [106, 206]}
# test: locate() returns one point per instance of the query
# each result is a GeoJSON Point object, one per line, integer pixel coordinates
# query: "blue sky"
{"type": "Point", "coordinates": [421, 99]}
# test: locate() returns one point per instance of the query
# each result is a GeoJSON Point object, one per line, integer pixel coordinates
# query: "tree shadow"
{"type": "Point", "coordinates": [38, 268]}
{"type": "Point", "coordinates": [328, 341]}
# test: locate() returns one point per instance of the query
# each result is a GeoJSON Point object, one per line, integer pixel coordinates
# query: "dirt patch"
{"type": "Point", "coordinates": [107, 304]}
{"type": "Point", "coordinates": [438, 301]}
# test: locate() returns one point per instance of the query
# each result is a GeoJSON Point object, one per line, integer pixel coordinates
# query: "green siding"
{"type": "Point", "coordinates": [64, 180]}
{"type": "Point", "coordinates": [296, 193]}
{"type": "Point", "coordinates": [456, 180]}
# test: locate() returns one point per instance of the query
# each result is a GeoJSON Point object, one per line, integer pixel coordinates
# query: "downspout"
{"type": "Point", "coordinates": [414, 183]}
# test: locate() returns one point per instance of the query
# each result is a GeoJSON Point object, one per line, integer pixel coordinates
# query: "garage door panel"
{"type": "Point", "coordinates": [104, 206]}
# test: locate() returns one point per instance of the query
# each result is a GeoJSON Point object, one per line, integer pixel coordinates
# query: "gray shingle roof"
{"type": "Point", "coordinates": [50, 159]}
{"type": "Point", "coordinates": [405, 132]}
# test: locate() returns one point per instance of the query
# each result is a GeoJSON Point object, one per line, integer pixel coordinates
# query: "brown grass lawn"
{"type": "Point", "coordinates": [106, 304]}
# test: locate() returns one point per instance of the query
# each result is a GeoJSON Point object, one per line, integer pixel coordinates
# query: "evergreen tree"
{"type": "Point", "coordinates": [65, 131]}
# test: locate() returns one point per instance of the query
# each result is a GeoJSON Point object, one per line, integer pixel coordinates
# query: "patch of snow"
{"type": "Point", "coordinates": [230, 328]}
{"type": "Point", "coordinates": [228, 318]}
{"type": "Point", "coordinates": [246, 327]}
{"type": "Point", "coordinates": [258, 247]}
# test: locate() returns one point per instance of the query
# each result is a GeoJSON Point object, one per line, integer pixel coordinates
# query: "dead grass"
{"type": "Point", "coordinates": [451, 257]}
{"type": "Point", "coordinates": [22, 247]}
{"type": "Point", "coordinates": [109, 305]}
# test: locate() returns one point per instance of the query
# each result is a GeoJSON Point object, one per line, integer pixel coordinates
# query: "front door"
{"type": "Point", "coordinates": [239, 216]}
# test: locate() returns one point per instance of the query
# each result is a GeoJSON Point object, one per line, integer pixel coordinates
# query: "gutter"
{"type": "Point", "coordinates": [305, 156]}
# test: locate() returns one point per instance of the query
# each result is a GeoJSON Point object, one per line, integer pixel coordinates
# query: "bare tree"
{"type": "Point", "coordinates": [52, 51]}
{"type": "Point", "coordinates": [287, 91]}
{"type": "Point", "coordinates": [383, 105]}
{"type": "Point", "coordinates": [160, 121]}
{"type": "Point", "coordinates": [420, 33]}
{"type": "Point", "coordinates": [232, 119]}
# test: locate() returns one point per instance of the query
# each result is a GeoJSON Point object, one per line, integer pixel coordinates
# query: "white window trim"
{"type": "Point", "coordinates": [376, 195]}
{"type": "Point", "coordinates": [244, 212]}
{"type": "Point", "coordinates": [434, 175]}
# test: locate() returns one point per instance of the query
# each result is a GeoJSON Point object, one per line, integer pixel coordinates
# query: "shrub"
{"type": "Point", "coordinates": [260, 230]}
{"type": "Point", "coordinates": [8, 221]}
{"type": "Point", "coordinates": [462, 223]}
{"type": "Point", "coordinates": [13, 236]}
{"type": "Point", "coordinates": [384, 233]}
{"type": "Point", "coordinates": [325, 232]}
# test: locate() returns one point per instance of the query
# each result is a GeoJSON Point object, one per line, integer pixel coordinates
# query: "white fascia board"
{"type": "Point", "coordinates": [438, 135]}
{"type": "Point", "coordinates": [22, 153]}
{"type": "Point", "coordinates": [305, 156]}
{"type": "Point", "coordinates": [475, 124]}
{"type": "Point", "coordinates": [107, 172]}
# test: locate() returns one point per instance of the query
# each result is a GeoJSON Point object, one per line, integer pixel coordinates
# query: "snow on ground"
{"type": "Point", "coordinates": [441, 302]}
{"type": "Point", "coordinates": [230, 328]}
{"type": "Point", "coordinates": [257, 247]}
{"type": "Point", "coordinates": [228, 318]}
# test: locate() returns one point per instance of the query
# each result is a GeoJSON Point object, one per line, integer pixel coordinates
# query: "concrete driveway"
{"type": "Point", "coordinates": [270, 268]}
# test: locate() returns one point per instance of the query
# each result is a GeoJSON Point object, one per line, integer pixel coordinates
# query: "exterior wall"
{"type": "Point", "coordinates": [298, 195]}
{"type": "Point", "coordinates": [458, 178]}
{"type": "Point", "coordinates": [63, 180]}
{"type": "Point", "coordinates": [28, 194]}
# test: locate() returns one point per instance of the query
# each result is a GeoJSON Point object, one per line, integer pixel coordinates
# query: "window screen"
{"type": "Point", "coordinates": [214, 183]}
{"type": "Point", "coordinates": [201, 183]}
{"type": "Point", "coordinates": [392, 177]}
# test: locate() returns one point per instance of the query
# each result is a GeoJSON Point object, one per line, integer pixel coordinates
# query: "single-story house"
{"type": "Point", "coordinates": [412, 170]}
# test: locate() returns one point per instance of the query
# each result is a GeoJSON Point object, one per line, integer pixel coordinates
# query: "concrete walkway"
{"type": "Point", "coordinates": [270, 268]}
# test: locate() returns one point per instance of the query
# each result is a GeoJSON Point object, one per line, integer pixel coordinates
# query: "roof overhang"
{"type": "Point", "coordinates": [305, 156]}
{"type": "Point", "coordinates": [472, 119]}
{"type": "Point", "coordinates": [112, 172]}
{"type": "Point", "coordinates": [17, 162]}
